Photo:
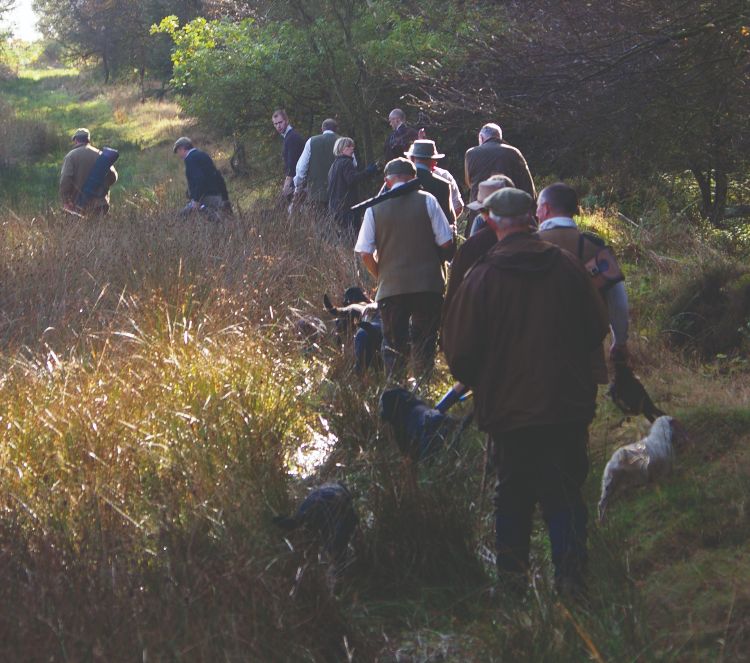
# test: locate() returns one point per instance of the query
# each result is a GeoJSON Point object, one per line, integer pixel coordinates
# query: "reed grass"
{"type": "Point", "coordinates": [154, 398]}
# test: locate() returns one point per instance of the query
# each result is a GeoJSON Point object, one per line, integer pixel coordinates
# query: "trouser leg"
{"type": "Point", "coordinates": [563, 507]}
{"type": "Point", "coordinates": [425, 322]}
{"type": "Point", "coordinates": [514, 507]}
{"type": "Point", "coordinates": [394, 312]}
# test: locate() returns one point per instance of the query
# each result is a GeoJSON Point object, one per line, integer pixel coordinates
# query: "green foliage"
{"type": "Point", "coordinates": [113, 34]}
{"type": "Point", "coordinates": [345, 59]}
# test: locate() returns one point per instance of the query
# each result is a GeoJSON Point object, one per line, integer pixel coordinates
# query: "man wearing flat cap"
{"type": "Point", "coordinates": [403, 241]}
{"type": "Point", "coordinates": [207, 189]}
{"type": "Point", "coordinates": [519, 332]}
{"type": "Point", "coordinates": [424, 155]}
{"type": "Point", "coordinates": [76, 168]}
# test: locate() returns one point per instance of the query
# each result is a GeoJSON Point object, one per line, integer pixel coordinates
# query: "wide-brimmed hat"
{"type": "Point", "coordinates": [423, 149]}
{"type": "Point", "coordinates": [487, 188]}
{"type": "Point", "coordinates": [400, 166]}
{"type": "Point", "coordinates": [81, 134]}
{"type": "Point", "coordinates": [509, 202]}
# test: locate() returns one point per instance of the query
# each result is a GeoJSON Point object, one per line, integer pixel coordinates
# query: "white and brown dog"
{"type": "Point", "coordinates": [642, 462]}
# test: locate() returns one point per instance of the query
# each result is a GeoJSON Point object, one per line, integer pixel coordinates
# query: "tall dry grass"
{"type": "Point", "coordinates": [153, 398]}
{"type": "Point", "coordinates": [151, 402]}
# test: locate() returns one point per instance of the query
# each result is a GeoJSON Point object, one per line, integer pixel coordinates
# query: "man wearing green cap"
{"type": "Point", "coordinates": [403, 241]}
{"type": "Point", "coordinates": [76, 168]}
{"type": "Point", "coordinates": [519, 332]}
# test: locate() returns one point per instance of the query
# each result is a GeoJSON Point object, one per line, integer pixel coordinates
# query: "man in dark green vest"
{"type": "Point", "coordinates": [314, 164]}
{"type": "Point", "coordinates": [411, 237]}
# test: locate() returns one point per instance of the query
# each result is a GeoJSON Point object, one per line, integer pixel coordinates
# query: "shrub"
{"type": "Point", "coordinates": [710, 314]}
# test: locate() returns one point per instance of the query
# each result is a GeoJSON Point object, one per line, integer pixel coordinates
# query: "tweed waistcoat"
{"type": "Point", "coordinates": [408, 259]}
{"type": "Point", "coordinates": [321, 158]}
{"type": "Point", "coordinates": [567, 238]}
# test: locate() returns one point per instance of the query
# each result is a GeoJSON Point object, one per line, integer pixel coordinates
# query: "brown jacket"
{"type": "Point", "coordinates": [492, 157]}
{"type": "Point", "coordinates": [567, 238]}
{"type": "Point", "coordinates": [75, 169]}
{"type": "Point", "coordinates": [519, 332]}
{"type": "Point", "coordinates": [469, 252]}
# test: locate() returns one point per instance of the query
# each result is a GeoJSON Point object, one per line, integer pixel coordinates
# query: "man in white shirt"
{"type": "Point", "coordinates": [314, 164]}
{"type": "Point", "coordinates": [403, 242]}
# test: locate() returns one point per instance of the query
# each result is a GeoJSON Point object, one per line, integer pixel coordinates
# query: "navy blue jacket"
{"type": "Point", "coordinates": [202, 177]}
{"type": "Point", "coordinates": [292, 151]}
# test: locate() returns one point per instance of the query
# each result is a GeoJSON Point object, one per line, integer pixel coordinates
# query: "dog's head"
{"type": "Point", "coordinates": [355, 295]}
{"type": "Point", "coordinates": [393, 403]}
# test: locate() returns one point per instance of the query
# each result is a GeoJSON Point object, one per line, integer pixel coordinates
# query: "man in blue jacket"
{"type": "Point", "coordinates": [206, 187]}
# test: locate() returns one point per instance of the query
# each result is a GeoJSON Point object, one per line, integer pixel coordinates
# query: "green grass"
{"type": "Point", "coordinates": [56, 102]}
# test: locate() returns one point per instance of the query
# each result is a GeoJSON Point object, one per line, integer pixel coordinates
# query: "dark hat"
{"type": "Point", "coordinates": [509, 202]}
{"type": "Point", "coordinates": [400, 166]}
{"type": "Point", "coordinates": [487, 188]}
{"type": "Point", "coordinates": [184, 141]}
{"type": "Point", "coordinates": [423, 149]}
{"type": "Point", "coordinates": [81, 134]}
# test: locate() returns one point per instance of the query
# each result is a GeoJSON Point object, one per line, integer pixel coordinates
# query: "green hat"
{"type": "Point", "coordinates": [81, 134]}
{"type": "Point", "coordinates": [400, 166]}
{"type": "Point", "coordinates": [509, 202]}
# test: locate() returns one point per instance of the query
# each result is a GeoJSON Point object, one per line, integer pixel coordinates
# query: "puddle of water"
{"type": "Point", "coordinates": [311, 454]}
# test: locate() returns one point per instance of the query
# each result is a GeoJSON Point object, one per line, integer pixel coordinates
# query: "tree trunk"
{"type": "Point", "coordinates": [713, 185]}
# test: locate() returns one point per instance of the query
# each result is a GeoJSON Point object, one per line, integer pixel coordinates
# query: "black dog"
{"type": "Point", "coordinates": [358, 316]}
{"type": "Point", "coordinates": [355, 308]}
{"type": "Point", "coordinates": [328, 513]}
{"type": "Point", "coordinates": [627, 392]}
{"type": "Point", "coordinates": [420, 430]}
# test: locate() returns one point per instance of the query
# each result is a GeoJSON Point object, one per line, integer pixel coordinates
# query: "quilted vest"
{"type": "Point", "coordinates": [408, 258]}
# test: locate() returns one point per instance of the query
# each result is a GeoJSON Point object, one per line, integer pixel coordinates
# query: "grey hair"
{"type": "Point", "coordinates": [329, 125]}
{"type": "Point", "coordinates": [398, 113]}
{"type": "Point", "coordinates": [491, 130]}
{"type": "Point", "coordinates": [341, 144]}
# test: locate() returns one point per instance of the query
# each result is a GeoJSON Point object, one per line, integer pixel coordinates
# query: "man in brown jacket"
{"type": "Point", "coordinates": [491, 157]}
{"type": "Point", "coordinates": [519, 332]}
{"type": "Point", "coordinates": [75, 170]}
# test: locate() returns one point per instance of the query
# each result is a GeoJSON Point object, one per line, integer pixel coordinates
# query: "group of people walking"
{"type": "Point", "coordinates": [522, 321]}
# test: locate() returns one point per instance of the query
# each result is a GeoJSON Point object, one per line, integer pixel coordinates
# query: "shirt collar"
{"type": "Point", "coordinates": [287, 130]}
{"type": "Point", "coordinates": [557, 222]}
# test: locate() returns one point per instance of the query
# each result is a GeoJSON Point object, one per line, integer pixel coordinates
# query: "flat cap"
{"type": "Point", "coordinates": [81, 134]}
{"type": "Point", "coordinates": [509, 202]}
{"type": "Point", "coordinates": [183, 141]}
{"type": "Point", "coordinates": [400, 166]}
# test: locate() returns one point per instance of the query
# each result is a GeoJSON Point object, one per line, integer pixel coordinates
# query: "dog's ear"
{"type": "Point", "coordinates": [327, 303]}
